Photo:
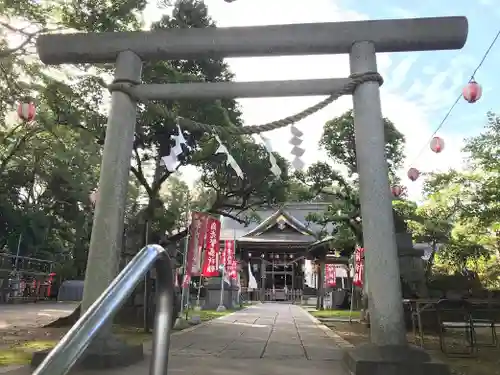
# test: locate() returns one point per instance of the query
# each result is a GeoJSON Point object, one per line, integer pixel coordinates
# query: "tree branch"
{"type": "Point", "coordinates": [15, 148]}
{"type": "Point", "coordinates": [29, 38]}
{"type": "Point", "coordinates": [157, 184]}
{"type": "Point", "coordinates": [228, 215]}
{"type": "Point", "coordinates": [175, 237]}
{"type": "Point", "coordinates": [138, 161]}
{"type": "Point", "coordinates": [142, 180]}
{"type": "Point", "coordinates": [216, 209]}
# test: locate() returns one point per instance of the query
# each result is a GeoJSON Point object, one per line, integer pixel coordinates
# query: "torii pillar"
{"type": "Point", "coordinates": [388, 352]}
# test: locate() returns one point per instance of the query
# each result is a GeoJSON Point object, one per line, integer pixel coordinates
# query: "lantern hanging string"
{"type": "Point", "coordinates": [448, 113]}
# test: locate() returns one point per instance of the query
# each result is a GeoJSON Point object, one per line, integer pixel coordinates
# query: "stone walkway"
{"type": "Point", "coordinates": [264, 339]}
{"type": "Point", "coordinates": [265, 331]}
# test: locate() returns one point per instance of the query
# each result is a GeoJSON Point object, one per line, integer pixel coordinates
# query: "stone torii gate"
{"type": "Point", "coordinates": [388, 352]}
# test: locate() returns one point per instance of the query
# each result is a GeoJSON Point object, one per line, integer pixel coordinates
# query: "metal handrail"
{"type": "Point", "coordinates": [71, 347]}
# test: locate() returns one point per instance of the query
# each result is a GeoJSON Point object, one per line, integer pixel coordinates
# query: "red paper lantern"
{"type": "Point", "coordinates": [437, 145]}
{"type": "Point", "coordinates": [396, 191]}
{"type": "Point", "coordinates": [26, 111]}
{"type": "Point", "coordinates": [472, 92]}
{"type": "Point", "coordinates": [413, 174]}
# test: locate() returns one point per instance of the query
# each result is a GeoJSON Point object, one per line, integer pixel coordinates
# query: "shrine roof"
{"type": "Point", "coordinates": [295, 215]}
{"type": "Point", "coordinates": [282, 219]}
{"type": "Point", "coordinates": [277, 237]}
{"type": "Point", "coordinates": [324, 249]}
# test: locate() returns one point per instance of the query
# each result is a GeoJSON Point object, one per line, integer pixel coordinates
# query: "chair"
{"type": "Point", "coordinates": [455, 314]}
{"type": "Point", "coordinates": [485, 316]}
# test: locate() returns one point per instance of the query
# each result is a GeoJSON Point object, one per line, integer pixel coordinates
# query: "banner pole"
{"type": "Point", "coordinates": [184, 266]}
{"type": "Point", "coordinates": [221, 306]}
{"type": "Point", "coordinates": [201, 259]}
{"type": "Point", "coordinates": [222, 268]}
{"type": "Point", "coordinates": [239, 288]}
{"type": "Point", "coordinates": [352, 299]}
{"type": "Point", "coordinates": [196, 250]}
{"type": "Point", "coordinates": [199, 292]}
{"type": "Point", "coordinates": [184, 258]}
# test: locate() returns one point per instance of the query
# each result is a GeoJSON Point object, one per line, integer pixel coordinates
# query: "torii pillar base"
{"type": "Point", "coordinates": [391, 360]}
{"type": "Point", "coordinates": [101, 355]}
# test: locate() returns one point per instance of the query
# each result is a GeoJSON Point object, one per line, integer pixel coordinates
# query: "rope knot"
{"type": "Point", "coordinates": [360, 78]}
{"type": "Point", "coordinates": [125, 86]}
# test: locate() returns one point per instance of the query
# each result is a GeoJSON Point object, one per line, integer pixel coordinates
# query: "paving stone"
{"type": "Point", "coordinates": [241, 354]}
{"type": "Point", "coordinates": [268, 339]}
{"type": "Point", "coordinates": [282, 353]}
{"type": "Point", "coordinates": [324, 354]}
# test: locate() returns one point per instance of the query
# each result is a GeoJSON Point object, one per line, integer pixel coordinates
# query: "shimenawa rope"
{"type": "Point", "coordinates": [354, 81]}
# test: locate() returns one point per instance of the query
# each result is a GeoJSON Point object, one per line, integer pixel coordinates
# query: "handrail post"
{"type": "Point", "coordinates": [163, 316]}
{"type": "Point", "coordinates": [72, 346]}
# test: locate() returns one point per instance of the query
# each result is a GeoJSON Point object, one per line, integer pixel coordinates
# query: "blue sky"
{"type": "Point", "coordinates": [419, 88]}
{"type": "Point", "coordinates": [484, 23]}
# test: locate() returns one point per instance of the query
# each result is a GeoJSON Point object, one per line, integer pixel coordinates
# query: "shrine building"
{"type": "Point", "coordinates": [275, 252]}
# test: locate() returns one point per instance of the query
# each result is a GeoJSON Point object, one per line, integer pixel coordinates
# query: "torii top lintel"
{"type": "Point", "coordinates": [398, 35]}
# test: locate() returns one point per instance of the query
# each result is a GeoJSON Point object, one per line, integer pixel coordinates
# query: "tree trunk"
{"type": "Point", "coordinates": [66, 321]}
{"type": "Point", "coordinates": [497, 250]}
{"type": "Point", "coordinates": [354, 296]}
{"type": "Point", "coordinates": [71, 319]}
{"type": "Point", "coordinates": [430, 262]}
{"type": "Point", "coordinates": [321, 281]}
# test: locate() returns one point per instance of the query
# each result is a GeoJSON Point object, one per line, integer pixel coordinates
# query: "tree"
{"type": "Point", "coordinates": [258, 186]}
{"type": "Point", "coordinates": [64, 168]}
{"type": "Point", "coordinates": [483, 160]}
{"type": "Point", "coordinates": [344, 209]}
{"type": "Point", "coordinates": [177, 199]}
{"type": "Point", "coordinates": [71, 116]}
{"type": "Point", "coordinates": [338, 139]}
{"type": "Point", "coordinates": [299, 191]}
{"type": "Point", "coordinates": [431, 223]}
{"type": "Point", "coordinates": [475, 233]}
{"type": "Point", "coordinates": [444, 221]}
{"type": "Point", "coordinates": [231, 195]}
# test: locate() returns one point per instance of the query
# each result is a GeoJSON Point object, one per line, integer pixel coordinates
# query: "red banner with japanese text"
{"type": "Point", "coordinates": [228, 257]}
{"type": "Point", "coordinates": [233, 274]}
{"type": "Point", "coordinates": [202, 228]}
{"type": "Point", "coordinates": [197, 226]}
{"type": "Point", "coordinates": [212, 246]}
{"type": "Point", "coordinates": [330, 275]}
{"type": "Point", "coordinates": [358, 267]}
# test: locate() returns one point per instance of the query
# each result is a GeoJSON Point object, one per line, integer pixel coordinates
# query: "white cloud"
{"type": "Point", "coordinates": [398, 12]}
{"type": "Point", "coordinates": [405, 103]}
